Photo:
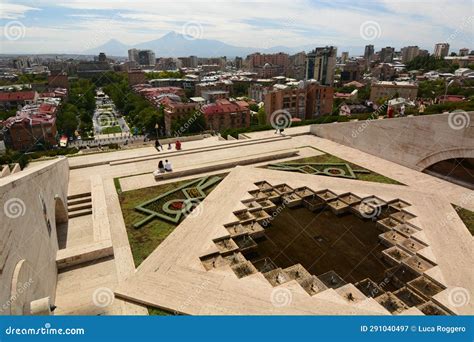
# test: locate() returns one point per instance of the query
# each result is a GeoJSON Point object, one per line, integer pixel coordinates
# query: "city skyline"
{"type": "Point", "coordinates": [77, 26]}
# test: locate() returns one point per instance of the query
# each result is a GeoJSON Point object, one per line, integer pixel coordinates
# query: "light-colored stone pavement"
{"type": "Point", "coordinates": [76, 288]}
{"type": "Point", "coordinates": [122, 265]}
{"type": "Point", "coordinates": [147, 180]}
{"type": "Point", "coordinates": [174, 278]}
{"type": "Point", "coordinates": [78, 232]}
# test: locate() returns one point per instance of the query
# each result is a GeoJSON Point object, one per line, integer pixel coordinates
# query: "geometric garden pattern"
{"type": "Point", "coordinates": [342, 170]}
{"type": "Point", "coordinates": [175, 204]}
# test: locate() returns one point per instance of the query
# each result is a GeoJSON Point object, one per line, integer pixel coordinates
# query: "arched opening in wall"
{"type": "Point", "coordinates": [61, 219]}
{"type": "Point", "coordinates": [457, 170]}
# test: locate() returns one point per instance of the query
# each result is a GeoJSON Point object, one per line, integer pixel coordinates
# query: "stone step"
{"type": "Point", "coordinates": [78, 213]}
{"type": "Point", "coordinates": [80, 206]}
{"type": "Point", "coordinates": [85, 194]}
{"type": "Point", "coordinates": [265, 157]}
{"type": "Point", "coordinates": [79, 200]}
{"type": "Point", "coordinates": [229, 145]}
{"type": "Point", "coordinates": [77, 255]}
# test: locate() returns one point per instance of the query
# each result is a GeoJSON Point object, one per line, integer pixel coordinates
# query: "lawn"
{"type": "Point", "coordinates": [330, 159]}
{"type": "Point", "coordinates": [467, 217]}
{"type": "Point", "coordinates": [111, 130]}
{"type": "Point", "coordinates": [145, 240]}
{"type": "Point", "coordinates": [152, 311]}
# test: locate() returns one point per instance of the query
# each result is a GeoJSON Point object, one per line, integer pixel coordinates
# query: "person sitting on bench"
{"type": "Point", "coordinates": [161, 166]}
{"type": "Point", "coordinates": [168, 166]}
{"type": "Point", "coordinates": [178, 145]}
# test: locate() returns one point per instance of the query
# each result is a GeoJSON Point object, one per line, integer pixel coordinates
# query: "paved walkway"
{"type": "Point", "coordinates": [122, 266]}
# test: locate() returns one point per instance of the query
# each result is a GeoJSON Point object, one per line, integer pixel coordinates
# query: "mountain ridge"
{"type": "Point", "coordinates": [174, 44]}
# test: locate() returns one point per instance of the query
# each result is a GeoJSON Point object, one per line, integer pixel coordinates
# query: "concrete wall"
{"type": "Point", "coordinates": [28, 201]}
{"type": "Point", "coordinates": [416, 142]}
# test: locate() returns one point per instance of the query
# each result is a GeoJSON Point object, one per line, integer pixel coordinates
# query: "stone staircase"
{"type": "Point", "coordinates": [79, 205]}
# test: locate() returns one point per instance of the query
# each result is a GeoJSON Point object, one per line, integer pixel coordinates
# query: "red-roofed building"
{"type": "Point", "coordinates": [451, 98]}
{"type": "Point", "coordinates": [17, 98]}
{"type": "Point", "coordinates": [225, 114]}
{"type": "Point", "coordinates": [175, 110]}
{"type": "Point", "coordinates": [32, 125]}
{"type": "Point", "coordinates": [58, 79]}
{"type": "Point", "coordinates": [136, 77]}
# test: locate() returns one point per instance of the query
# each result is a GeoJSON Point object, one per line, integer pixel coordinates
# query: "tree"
{"type": "Point", "coordinates": [253, 107]}
{"type": "Point", "coordinates": [68, 121]}
{"type": "Point", "coordinates": [262, 116]}
{"type": "Point", "coordinates": [427, 63]}
{"type": "Point", "coordinates": [163, 74]}
{"type": "Point", "coordinates": [241, 89]}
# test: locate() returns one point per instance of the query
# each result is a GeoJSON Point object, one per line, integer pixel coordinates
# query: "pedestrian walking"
{"type": "Point", "coordinates": [158, 145]}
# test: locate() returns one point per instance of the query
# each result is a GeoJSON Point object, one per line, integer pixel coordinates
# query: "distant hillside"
{"type": "Point", "coordinates": [174, 44]}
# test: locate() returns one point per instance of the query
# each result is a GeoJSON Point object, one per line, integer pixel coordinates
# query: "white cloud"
{"type": "Point", "coordinates": [263, 23]}
{"type": "Point", "coordinates": [14, 11]}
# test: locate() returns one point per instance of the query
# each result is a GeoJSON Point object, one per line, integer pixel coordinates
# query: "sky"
{"type": "Point", "coordinates": [74, 26]}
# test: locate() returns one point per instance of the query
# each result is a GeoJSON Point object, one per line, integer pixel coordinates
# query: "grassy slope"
{"type": "Point", "coordinates": [467, 217]}
{"type": "Point", "coordinates": [144, 240]}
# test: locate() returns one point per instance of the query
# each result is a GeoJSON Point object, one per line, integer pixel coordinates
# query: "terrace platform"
{"type": "Point", "coordinates": [175, 270]}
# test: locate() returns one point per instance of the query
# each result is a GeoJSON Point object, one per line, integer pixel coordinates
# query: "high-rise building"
{"type": "Point", "coordinates": [344, 57]}
{"type": "Point", "coordinates": [441, 50]}
{"type": "Point", "coordinates": [369, 52]}
{"type": "Point", "coordinates": [146, 57]}
{"type": "Point", "coordinates": [239, 62]}
{"type": "Point", "coordinates": [189, 62]}
{"type": "Point", "coordinates": [463, 52]}
{"type": "Point", "coordinates": [305, 101]}
{"type": "Point", "coordinates": [320, 65]}
{"type": "Point", "coordinates": [423, 53]}
{"type": "Point", "coordinates": [351, 71]}
{"type": "Point", "coordinates": [409, 53]}
{"type": "Point", "coordinates": [142, 57]}
{"type": "Point", "coordinates": [193, 61]}
{"type": "Point", "coordinates": [58, 78]}
{"type": "Point", "coordinates": [133, 55]}
{"type": "Point", "coordinates": [386, 54]}
{"type": "Point", "coordinates": [102, 57]}
{"type": "Point", "coordinates": [297, 66]}
{"type": "Point", "coordinates": [268, 65]}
